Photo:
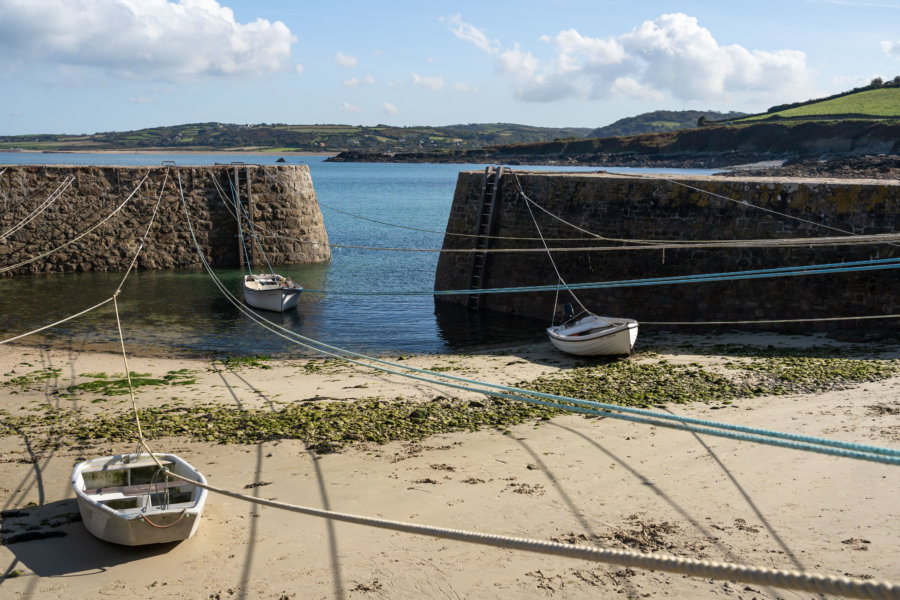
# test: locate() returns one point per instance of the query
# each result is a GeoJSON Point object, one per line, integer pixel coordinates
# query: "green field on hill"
{"type": "Point", "coordinates": [884, 102]}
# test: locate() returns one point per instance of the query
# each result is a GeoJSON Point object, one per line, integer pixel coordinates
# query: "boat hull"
{"type": "Point", "coordinates": [133, 515]}
{"type": "Point", "coordinates": [275, 296]}
{"type": "Point", "coordinates": [595, 336]}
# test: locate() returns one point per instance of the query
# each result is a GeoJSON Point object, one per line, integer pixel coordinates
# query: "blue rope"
{"type": "Point", "coordinates": [531, 395]}
{"type": "Point", "coordinates": [865, 265]}
{"type": "Point", "coordinates": [738, 432]}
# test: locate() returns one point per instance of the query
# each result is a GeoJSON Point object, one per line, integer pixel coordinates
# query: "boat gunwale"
{"type": "Point", "coordinates": [195, 505]}
{"type": "Point", "coordinates": [616, 326]}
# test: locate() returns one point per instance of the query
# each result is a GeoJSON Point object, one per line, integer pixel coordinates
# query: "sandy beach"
{"type": "Point", "coordinates": [593, 481]}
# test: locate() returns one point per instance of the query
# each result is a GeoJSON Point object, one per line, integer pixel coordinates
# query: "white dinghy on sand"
{"type": "Point", "coordinates": [595, 336]}
{"type": "Point", "coordinates": [127, 499]}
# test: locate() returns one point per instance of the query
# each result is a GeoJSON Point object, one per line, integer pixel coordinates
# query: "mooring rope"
{"type": "Point", "coordinates": [60, 322]}
{"type": "Point", "coordinates": [79, 236]}
{"type": "Point", "coordinates": [244, 212]}
{"type": "Point", "coordinates": [121, 283]}
{"type": "Point", "coordinates": [53, 197]}
{"type": "Point", "coordinates": [850, 450]}
{"type": "Point", "coordinates": [723, 571]}
{"type": "Point", "coordinates": [642, 244]}
{"type": "Point", "coordinates": [785, 579]}
{"type": "Point", "coordinates": [883, 238]}
{"type": "Point", "coordinates": [559, 277]}
{"type": "Point", "coordinates": [801, 270]}
{"type": "Point", "coordinates": [741, 202]}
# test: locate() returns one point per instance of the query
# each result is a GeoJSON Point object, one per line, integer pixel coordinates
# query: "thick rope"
{"type": "Point", "coordinates": [121, 283]}
{"type": "Point", "coordinates": [727, 571]}
{"type": "Point", "coordinates": [147, 520]}
{"type": "Point", "coordinates": [743, 203]}
{"type": "Point", "coordinates": [837, 448]}
{"type": "Point", "coordinates": [644, 244]}
{"type": "Point", "coordinates": [794, 580]}
{"type": "Point", "coordinates": [559, 277]}
{"type": "Point", "coordinates": [802, 270]}
{"type": "Point", "coordinates": [235, 199]}
{"type": "Point", "coordinates": [884, 238]}
{"type": "Point", "coordinates": [53, 197]}
{"type": "Point", "coordinates": [768, 321]}
{"type": "Point", "coordinates": [61, 321]}
{"type": "Point", "coordinates": [79, 236]}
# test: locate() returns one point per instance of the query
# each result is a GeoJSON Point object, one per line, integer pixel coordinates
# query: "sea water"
{"type": "Point", "coordinates": [384, 248]}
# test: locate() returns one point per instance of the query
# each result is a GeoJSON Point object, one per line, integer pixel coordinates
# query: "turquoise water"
{"type": "Point", "coordinates": [182, 311]}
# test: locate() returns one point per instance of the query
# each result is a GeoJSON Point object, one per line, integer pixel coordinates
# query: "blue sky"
{"type": "Point", "coordinates": [84, 66]}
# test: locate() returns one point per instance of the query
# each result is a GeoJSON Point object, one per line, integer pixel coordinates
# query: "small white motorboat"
{"type": "Point", "coordinates": [127, 499]}
{"type": "Point", "coordinates": [594, 336]}
{"type": "Point", "coordinates": [271, 292]}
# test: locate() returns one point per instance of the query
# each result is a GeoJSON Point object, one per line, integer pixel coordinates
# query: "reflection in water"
{"type": "Point", "coordinates": [184, 312]}
{"type": "Point", "coordinates": [461, 329]}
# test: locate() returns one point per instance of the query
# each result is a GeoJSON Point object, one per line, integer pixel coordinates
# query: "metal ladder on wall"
{"type": "Point", "coordinates": [243, 206]}
{"type": "Point", "coordinates": [490, 194]}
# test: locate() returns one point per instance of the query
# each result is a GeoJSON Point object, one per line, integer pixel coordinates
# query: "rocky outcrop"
{"type": "Point", "coordinates": [102, 213]}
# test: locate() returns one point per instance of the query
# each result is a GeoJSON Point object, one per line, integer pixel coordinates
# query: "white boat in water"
{"type": "Point", "coordinates": [127, 499]}
{"type": "Point", "coordinates": [271, 292]}
{"type": "Point", "coordinates": [594, 336]}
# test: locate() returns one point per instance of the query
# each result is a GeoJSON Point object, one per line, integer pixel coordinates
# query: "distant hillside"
{"type": "Point", "coordinates": [878, 100]}
{"type": "Point", "coordinates": [711, 146]}
{"type": "Point", "coordinates": [661, 121]}
{"type": "Point", "coordinates": [301, 138]}
{"type": "Point", "coordinates": [861, 121]}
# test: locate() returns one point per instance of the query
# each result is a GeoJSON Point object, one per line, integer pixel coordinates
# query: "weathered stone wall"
{"type": "Point", "coordinates": [284, 210]}
{"type": "Point", "coordinates": [623, 207]}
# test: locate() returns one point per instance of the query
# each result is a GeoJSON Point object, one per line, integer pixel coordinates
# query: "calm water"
{"type": "Point", "coordinates": [184, 312]}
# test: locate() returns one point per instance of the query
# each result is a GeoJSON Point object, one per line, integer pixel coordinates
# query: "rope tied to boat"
{"type": "Point", "coordinates": [147, 520]}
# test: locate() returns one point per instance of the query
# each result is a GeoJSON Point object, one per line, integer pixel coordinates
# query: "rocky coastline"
{"type": "Point", "coordinates": [864, 166]}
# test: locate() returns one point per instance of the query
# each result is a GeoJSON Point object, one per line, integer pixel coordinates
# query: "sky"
{"type": "Point", "coordinates": [88, 66]}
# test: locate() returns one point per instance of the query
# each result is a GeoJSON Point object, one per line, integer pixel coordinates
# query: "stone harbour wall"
{"type": "Point", "coordinates": [282, 202]}
{"type": "Point", "coordinates": [647, 209]}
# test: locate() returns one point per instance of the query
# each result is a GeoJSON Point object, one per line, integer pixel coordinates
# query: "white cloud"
{"type": "Point", "coordinates": [389, 109]}
{"type": "Point", "coordinates": [892, 49]}
{"type": "Point", "coordinates": [140, 100]}
{"type": "Point", "coordinates": [626, 86]}
{"type": "Point", "coordinates": [349, 108]}
{"type": "Point", "coordinates": [138, 38]}
{"type": "Point", "coordinates": [472, 34]}
{"type": "Point", "coordinates": [435, 84]}
{"type": "Point", "coordinates": [462, 88]}
{"type": "Point", "coordinates": [672, 55]}
{"type": "Point", "coordinates": [354, 82]}
{"type": "Point", "coordinates": [680, 56]}
{"type": "Point", "coordinates": [298, 69]}
{"type": "Point", "coordinates": [570, 43]}
{"type": "Point", "coordinates": [345, 61]}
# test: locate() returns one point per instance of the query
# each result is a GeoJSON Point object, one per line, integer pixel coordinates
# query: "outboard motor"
{"type": "Point", "coordinates": [568, 312]}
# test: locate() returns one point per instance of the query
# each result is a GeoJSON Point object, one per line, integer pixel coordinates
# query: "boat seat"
{"type": "Point", "coordinates": [118, 466]}
{"type": "Point", "coordinates": [135, 490]}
